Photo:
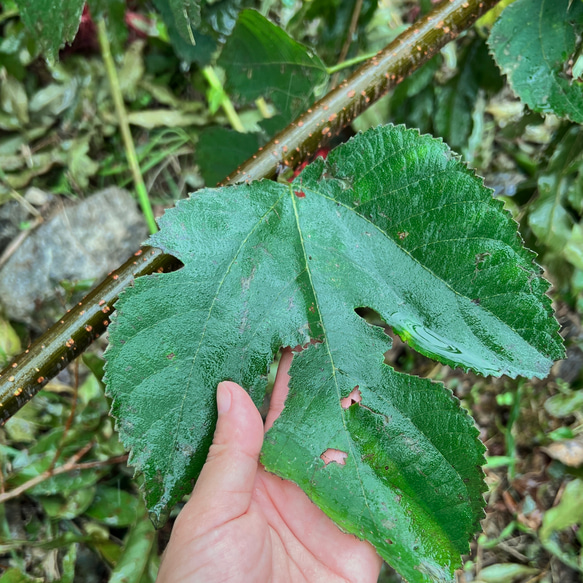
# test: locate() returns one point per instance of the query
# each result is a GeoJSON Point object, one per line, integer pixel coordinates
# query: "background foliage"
{"type": "Point", "coordinates": [60, 134]}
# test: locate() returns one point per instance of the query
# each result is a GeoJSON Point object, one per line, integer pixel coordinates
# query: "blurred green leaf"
{"type": "Point", "coordinates": [68, 565]}
{"type": "Point", "coordinates": [573, 251]}
{"type": "Point", "coordinates": [186, 15]}
{"type": "Point", "coordinates": [9, 342]}
{"type": "Point", "coordinates": [561, 433]}
{"type": "Point", "coordinates": [417, 112]}
{"type": "Point", "coordinates": [80, 165]}
{"type": "Point", "coordinates": [15, 575]}
{"type": "Point", "coordinates": [68, 483]}
{"type": "Point", "coordinates": [71, 506]}
{"type": "Point", "coordinates": [456, 99]}
{"type": "Point", "coordinates": [563, 405]}
{"type": "Point", "coordinates": [550, 216]}
{"type": "Point", "coordinates": [95, 364]}
{"type": "Point", "coordinates": [114, 507]}
{"type": "Point", "coordinates": [13, 98]}
{"type": "Point", "coordinates": [568, 513]}
{"type": "Point", "coordinates": [505, 573]}
{"type": "Point", "coordinates": [133, 564]}
{"type": "Point", "coordinates": [114, 12]}
{"type": "Point", "coordinates": [534, 43]}
{"type": "Point", "coordinates": [55, 22]}
{"type": "Point", "coordinates": [201, 52]}
{"type": "Point", "coordinates": [333, 19]}
{"type": "Point", "coordinates": [132, 69]}
{"type": "Point", "coordinates": [221, 150]}
{"type": "Point", "coordinates": [260, 59]}
{"type": "Point", "coordinates": [165, 118]}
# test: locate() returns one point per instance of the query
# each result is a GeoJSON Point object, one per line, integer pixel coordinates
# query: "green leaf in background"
{"type": "Point", "coordinates": [455, 103]}
{"type": "Point", "coordinates": [202, 51]}
{"type": "Point", "coordinates": [15, 575]}
{"type": "Point", "coordinates": [114, 12]}
{"type": "Point", "coordinates": [59, 507]}
{"type": "Point", "coordinates": [186, 17]}
{"type": "Point", "coordinates": [456, 99]}
{"type": "Point", "coordinates": [551, 215]}
{"type": "Point", "coordinates": [535, 43]}
{"type": "Point", "coordinates": [506, 573]}
{"type": "Point", "coordinates": [392, 221]}
{"type": "Point", "coordinates": [68, 565]}
{"type": "Point", "coordinates": [261, 60]}
{"type": "Point", "coordinates": [221, 150]}
{"type": "Point", "coordinates": [568, 513]}
{"type": "Point", "coordinates": [114, 507]}
{"type": "Point", "coordinates": [55, 22]}
{"type": "Point", "coordinates": [134, 563]}
{"type": "Point", "coordinates": [333, 20]}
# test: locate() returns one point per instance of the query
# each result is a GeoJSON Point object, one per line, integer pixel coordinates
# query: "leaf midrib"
{"type": "Point", "coordinates": [309, 272]}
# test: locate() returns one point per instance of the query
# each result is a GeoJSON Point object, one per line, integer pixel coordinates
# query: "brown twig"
{"type": "Point", "coordinates": [69, 466]}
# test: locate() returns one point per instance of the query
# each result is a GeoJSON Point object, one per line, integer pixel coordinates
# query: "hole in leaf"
{"type": "Point", "coordinates": [301, 347]}
{"type": "Point", "coordinates": [334, 455]}
{"type": "Point", "coordinates": [372, 317]}
{"type": "Point", "coordinates": [354, 397]}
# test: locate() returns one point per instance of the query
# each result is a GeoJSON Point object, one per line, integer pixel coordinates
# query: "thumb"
{"type": "Point", "coordinates": [225, 485]}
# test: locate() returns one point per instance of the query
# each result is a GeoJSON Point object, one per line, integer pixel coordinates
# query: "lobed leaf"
{"type": "Point", "coordinates": [391, 221]}
{"type": "Point", "coordinates": [536, 43]}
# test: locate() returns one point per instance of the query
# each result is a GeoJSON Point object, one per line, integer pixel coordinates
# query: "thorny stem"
{"type": "Point", "coordinates": [124, 126]}
{"type": "Point", "coordinates": [27, 374]}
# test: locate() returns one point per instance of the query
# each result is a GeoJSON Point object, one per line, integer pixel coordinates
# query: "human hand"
{"type": "Point", "coordinates": [244, 524]}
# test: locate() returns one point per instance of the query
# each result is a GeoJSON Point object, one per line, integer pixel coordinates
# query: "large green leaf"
{"type": "Point", "coordinates": [536, 42]}
{"type": "Point", "coordinates": [54, 21]}
{"type": "Point", "coordinates": [392, 221]}
{"type": "Point", "coordinates": [261, 60]}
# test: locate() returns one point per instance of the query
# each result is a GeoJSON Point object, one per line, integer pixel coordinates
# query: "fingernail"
{"type": "Point", "coordinates": [223, 398]}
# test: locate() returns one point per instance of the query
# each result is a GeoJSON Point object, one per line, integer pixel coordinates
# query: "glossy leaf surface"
{"type": "Point", "coordinates": [536, 43]}
{"type": "Point", "coordinates": [393, 221]}
{"type": "Point", "coordinates": [261, 60]}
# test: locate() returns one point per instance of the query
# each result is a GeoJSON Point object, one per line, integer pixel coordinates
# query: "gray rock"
{"type": "Point", "coordinates": [12, 214]}
{"type": "Point", "coordinates": [80, 242]}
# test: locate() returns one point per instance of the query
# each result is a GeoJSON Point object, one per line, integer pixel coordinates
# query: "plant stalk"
{"type": "Point", "coordinates": [65, 340]}
{"type": "Point", "coordinates": [124, 126]}
{"type": "Point", "coordinates": [227, 105]}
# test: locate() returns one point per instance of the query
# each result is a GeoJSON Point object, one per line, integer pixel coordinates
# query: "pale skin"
{"type": "Point", "coordinates": [242, 524]}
